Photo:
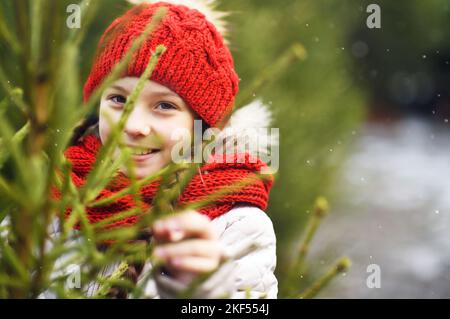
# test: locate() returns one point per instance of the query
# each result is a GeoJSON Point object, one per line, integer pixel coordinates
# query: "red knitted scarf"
{"type": "Point", "coordinates": [213, 177]}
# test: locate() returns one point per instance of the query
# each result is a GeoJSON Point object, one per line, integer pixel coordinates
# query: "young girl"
{"type": "Point", "coordinates": [193, 79]}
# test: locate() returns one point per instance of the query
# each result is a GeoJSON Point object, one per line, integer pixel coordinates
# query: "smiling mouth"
{"type": "Point", "coordinates": [145, 151]}
{"type": "Point", "coordinates": [139, 151]}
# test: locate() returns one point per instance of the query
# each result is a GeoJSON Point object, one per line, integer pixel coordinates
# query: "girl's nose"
{"type": "Point", "coordinates": [138, 124]}
{"type": "Point", "coordinates": [136, 132]}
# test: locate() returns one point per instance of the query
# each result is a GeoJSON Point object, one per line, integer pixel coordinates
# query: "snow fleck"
{"type": "Point", "coordinates": [360, 49]}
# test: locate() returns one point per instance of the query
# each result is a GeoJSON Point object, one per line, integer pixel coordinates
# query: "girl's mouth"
{"type": "Point", "coordinates": [140, 155]}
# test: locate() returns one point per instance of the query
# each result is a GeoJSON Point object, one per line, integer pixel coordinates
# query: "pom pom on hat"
{"type": "Point", "coordinates": [206, 7]}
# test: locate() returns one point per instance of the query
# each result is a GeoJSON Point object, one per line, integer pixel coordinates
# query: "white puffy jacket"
{"type": "Point", "coordinates": [249, 275]}
{"type": "Point", "coordinates": [247, 236]}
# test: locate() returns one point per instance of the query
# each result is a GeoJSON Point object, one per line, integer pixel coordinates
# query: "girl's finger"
{"type": "Point", "coordinates": [190, 224]}
{"type": "Point", "coordinates": [192, 264]}
{"type": "Point", "coordinates": [192, 247]}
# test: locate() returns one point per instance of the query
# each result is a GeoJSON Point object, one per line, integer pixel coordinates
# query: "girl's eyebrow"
{"type": "Point", "coordinates": [164, 94]}
{"type": "Point", "coordinates": [118, 87]}
{"type": "Point", "coordinates": [154, 93]}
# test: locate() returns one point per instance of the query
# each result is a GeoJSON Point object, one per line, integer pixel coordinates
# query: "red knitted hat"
{"type": "Point", "coordinates": [197, 65]}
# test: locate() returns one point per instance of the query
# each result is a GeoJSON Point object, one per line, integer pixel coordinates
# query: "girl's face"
{"type": "Point", "coordinates": [158, 111]}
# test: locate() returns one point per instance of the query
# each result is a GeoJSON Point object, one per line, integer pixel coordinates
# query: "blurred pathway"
{"type": "Point", "coordinates": [393, 210]}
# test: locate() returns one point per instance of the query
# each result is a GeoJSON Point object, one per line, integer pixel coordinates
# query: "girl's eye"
{"type": "Point", "coordinates": [118, 99]}
{"type": "Point", "coordinates": [165, 106]}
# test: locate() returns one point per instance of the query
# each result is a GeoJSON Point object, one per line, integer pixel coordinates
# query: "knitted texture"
{"type": "Point", "coordinates": [197, 65]}
{"type": "Point", "coordinates": [214, 176]}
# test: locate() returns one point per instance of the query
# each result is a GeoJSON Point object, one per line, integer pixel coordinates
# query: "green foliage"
{"type": "Point", "coordinates": [317, 102]}
{"type": "Point", "coordinates": [409, 53]}
{"type": "Point", "coordinates": [34, 162]}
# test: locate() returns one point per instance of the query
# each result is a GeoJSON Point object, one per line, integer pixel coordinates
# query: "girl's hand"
{"type": "Point", "coordinates": [187, 245]}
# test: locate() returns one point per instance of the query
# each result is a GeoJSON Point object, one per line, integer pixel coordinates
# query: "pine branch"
{"type": "Point", "coordinates": [340, 266]}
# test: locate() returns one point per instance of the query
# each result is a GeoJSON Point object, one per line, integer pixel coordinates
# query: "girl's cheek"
{"type": "Point", "coordinates": [173, 139]}
{"type": "Point", "coordinates": [104, 130]}
{"type": "Point", "coordinates": [106, 119]}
